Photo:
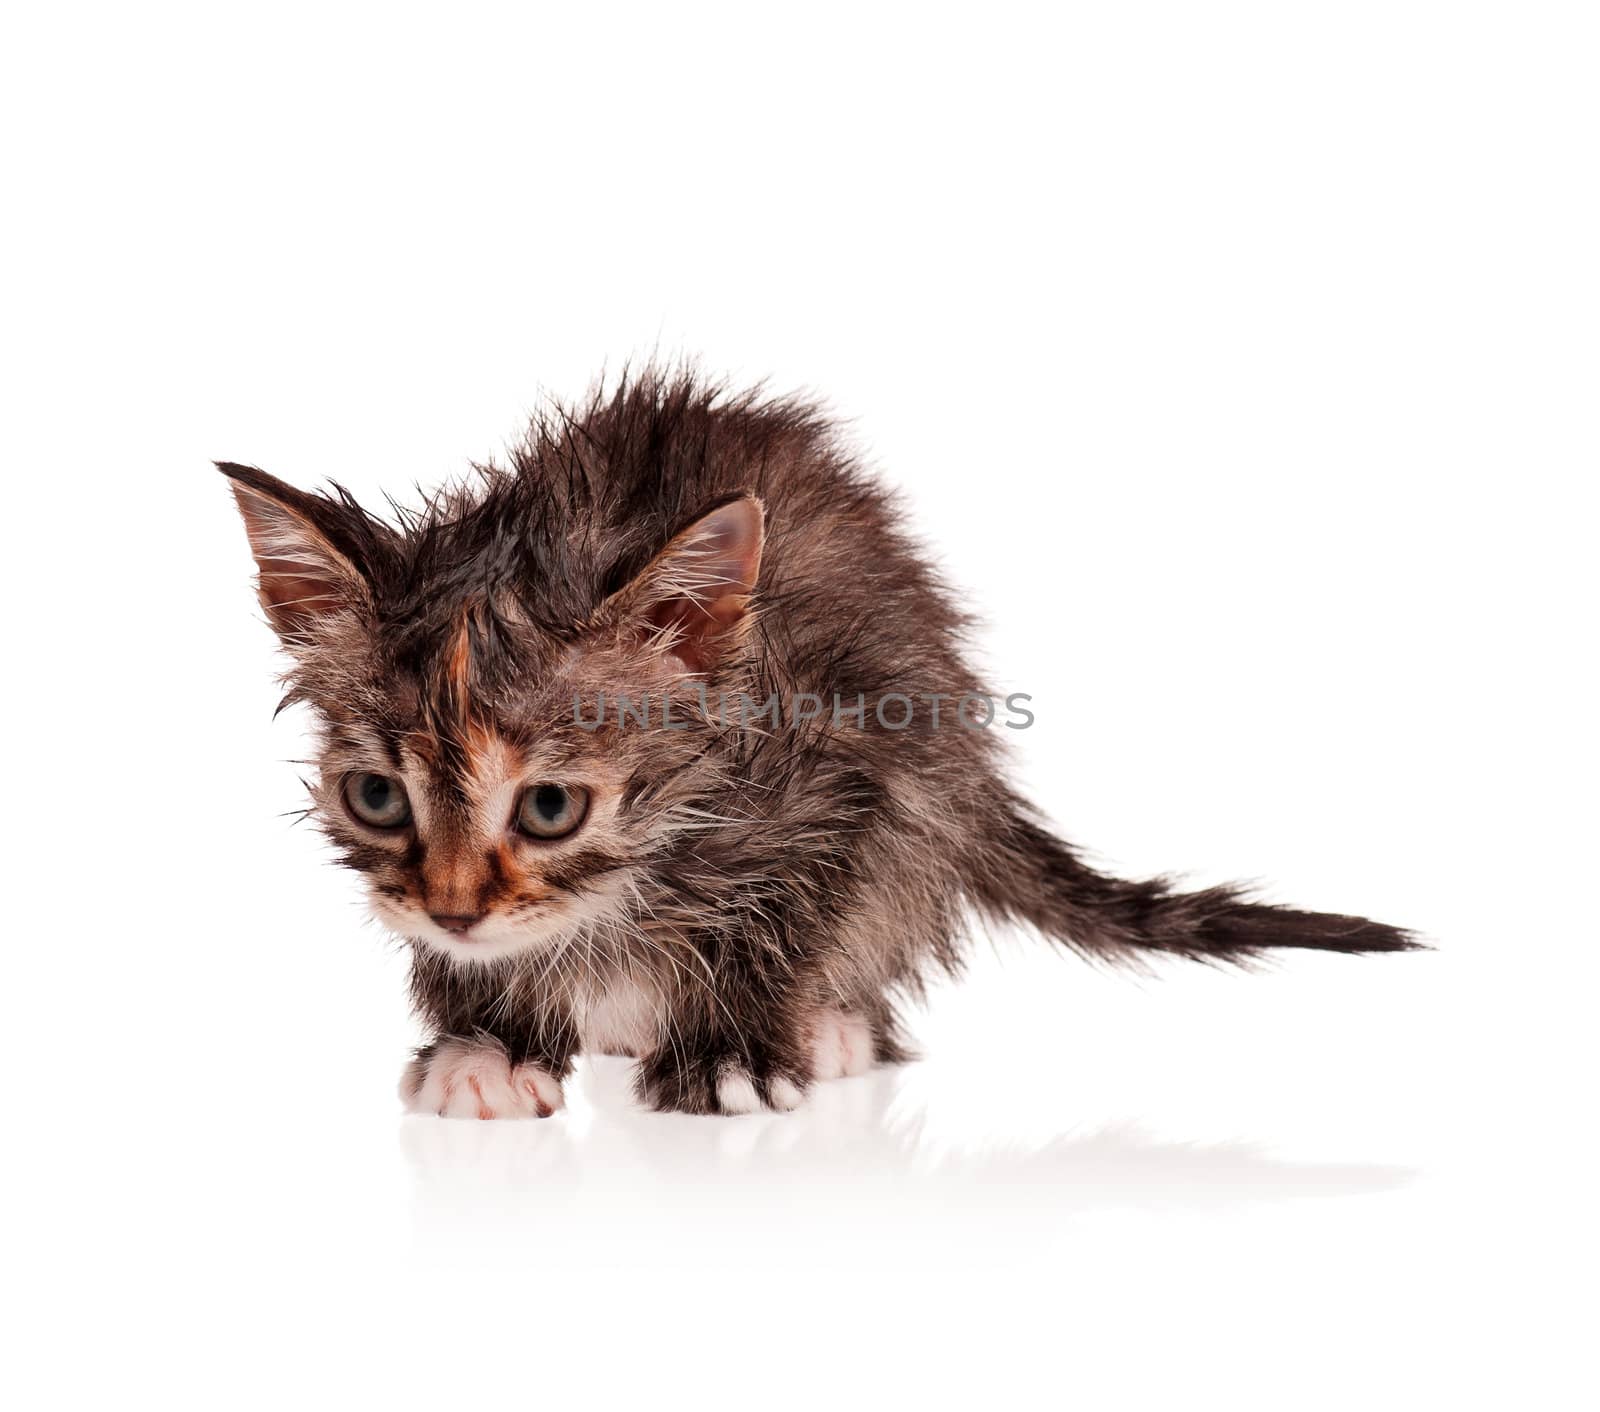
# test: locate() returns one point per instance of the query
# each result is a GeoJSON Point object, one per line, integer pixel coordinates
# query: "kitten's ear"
{"type": "Point", "coordinates": [303, 578]}
{"type": "Point", "coordinates": [694, 595]}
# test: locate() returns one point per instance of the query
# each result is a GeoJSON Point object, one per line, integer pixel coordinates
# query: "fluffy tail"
{"type": "Point", "coordinates": [1030, 876]}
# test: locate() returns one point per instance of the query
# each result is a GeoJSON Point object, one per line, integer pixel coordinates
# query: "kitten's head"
{"type": "Point", "coordinates": [455, 661]}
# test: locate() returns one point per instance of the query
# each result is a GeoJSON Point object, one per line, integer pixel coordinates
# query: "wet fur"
{"type": "Point", "coordinates": [738, 890]}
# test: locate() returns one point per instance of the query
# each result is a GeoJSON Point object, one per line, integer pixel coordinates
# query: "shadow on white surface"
{"type": "Point", "coordinates": [860, 1169]}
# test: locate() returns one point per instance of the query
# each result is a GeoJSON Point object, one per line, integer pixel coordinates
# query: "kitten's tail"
{"type": "Point", "coordinates": [1030, 876]}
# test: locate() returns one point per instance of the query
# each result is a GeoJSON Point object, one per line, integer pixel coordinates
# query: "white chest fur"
{"type": "Point", "coordinates": [621, 1019]}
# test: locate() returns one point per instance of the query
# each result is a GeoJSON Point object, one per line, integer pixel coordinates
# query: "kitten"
{"type": "Point", "coordinates": [635, 742]}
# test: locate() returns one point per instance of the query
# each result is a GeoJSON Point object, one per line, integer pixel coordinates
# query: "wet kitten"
{"type": "Point", "coordinates": [732, 875]}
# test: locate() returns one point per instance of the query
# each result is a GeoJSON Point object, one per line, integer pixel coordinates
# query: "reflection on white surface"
{"type": "Point", "coordinates": [858, 1169]}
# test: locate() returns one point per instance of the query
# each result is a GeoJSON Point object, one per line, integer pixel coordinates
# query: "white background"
{"type": "Point", "coordinates": [1239, 361]}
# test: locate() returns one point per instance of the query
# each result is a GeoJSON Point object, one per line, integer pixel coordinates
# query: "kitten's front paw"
{"type": "Point", "coordinates": [740, 1091]}
{"type": "Point", "coordinates": [457, 1078]}
{"type": "Point", "coordinates": [710, 1085]}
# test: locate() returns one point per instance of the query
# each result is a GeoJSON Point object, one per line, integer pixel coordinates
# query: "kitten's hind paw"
{"type": "Point", "coordinates": [458, 1078]}
{"type": "Point", "coordinates": [841, 1046]}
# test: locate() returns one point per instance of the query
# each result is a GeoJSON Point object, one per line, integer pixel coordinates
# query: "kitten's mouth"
{"type": "Point", "coordinates": [485, 940]}
{"type": "Point", "coordinates": [474, 944]}
{"type": "Point", "coordinates": [493, 937]}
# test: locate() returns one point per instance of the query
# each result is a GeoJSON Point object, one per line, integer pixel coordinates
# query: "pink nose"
{"type": "Point", "coordinates": [454, 922]}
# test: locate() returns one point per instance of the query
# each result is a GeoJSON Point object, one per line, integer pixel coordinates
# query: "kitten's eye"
{"type": "Point", "coordinates": [377, 801]}
{"type": "Point", "coordinates": [552, 810]}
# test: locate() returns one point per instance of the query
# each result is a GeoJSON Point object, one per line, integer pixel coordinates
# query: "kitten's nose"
{"type": "Point", "coordinates": [454, 921]}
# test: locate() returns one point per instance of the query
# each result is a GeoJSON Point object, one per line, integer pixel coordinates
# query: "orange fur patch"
{"type": "Point", "coordinates": [458, 665]}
